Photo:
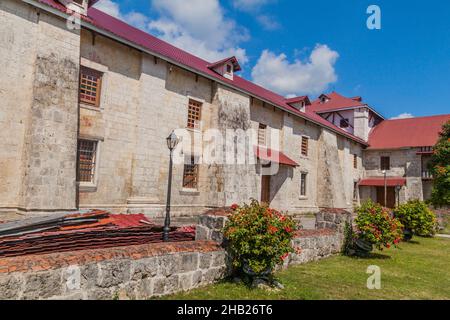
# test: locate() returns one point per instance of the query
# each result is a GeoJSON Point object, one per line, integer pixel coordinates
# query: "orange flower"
{"type": "Point", "coordinates": [273, 229]}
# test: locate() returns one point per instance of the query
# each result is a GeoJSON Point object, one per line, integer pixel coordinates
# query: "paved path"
{"type": "Point", "coordinates": [443, 236]}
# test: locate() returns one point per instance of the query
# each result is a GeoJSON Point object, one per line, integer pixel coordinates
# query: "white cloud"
{"type": "Point", "coordinates": [112, 8]}
{"type": "Point", "coordinates": [249, 5]}
{"type": "Point", "coordinates": [403, 116]}
{"type": "Point", "coordinates": [109, 7]}
{"type": "Point", "coordinates": [268, 22]}
{"type": "Point", "coordinates": [197, 26]}
{"type": "Point", "coordinates": [276, 72]}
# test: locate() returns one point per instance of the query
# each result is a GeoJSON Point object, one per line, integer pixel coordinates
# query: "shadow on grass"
{"type": "Point", "coordinates": [371, 256]}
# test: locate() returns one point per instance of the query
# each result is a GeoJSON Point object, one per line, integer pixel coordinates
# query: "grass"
{"type": "Point", "coordinates": [416, 270]}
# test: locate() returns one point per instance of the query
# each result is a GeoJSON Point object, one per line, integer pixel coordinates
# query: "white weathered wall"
{"type": "Point", "coordinates": [39, 81]}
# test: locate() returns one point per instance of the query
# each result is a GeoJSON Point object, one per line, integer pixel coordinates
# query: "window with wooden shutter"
{"type": "Point", "coordinates": [90, 86]}
{"type": "Point", "coordinates": [305, 146]}
{"type": "Point", "coordinates": [190, 174]}
{"type": "Point", "coordinates": [385, 163]}
{"type": "Point", "coordinates": [262, 133]}
{"type": "Point", "coordinates": [355, 161]}
{"type": "Point", "coordinates": [194, 115]}
{"type": "Point", "coordinates": [87, 157]}
{"type": "Point", "coordinates": [303, 181]}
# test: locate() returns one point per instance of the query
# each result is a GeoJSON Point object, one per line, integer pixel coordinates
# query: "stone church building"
{"type": "Point", "coordinates": [85, 112]}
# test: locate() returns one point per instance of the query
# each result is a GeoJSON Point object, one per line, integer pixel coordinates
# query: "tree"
{"type": "Point", "coordinates": [440, 168]}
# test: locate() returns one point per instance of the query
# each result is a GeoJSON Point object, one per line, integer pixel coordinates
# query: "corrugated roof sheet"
{"type": "Point", "coordinates": [379, 182]}
{"type": "Point", "coordinates": [335, 102]}
{"type": "Point", "coordinates": [267, 154]}
{"type": "Point", "coordinates": [403, 133]}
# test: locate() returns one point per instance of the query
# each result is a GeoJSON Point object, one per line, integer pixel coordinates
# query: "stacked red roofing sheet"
{"type": "Point", "coordinates": [94, 230]}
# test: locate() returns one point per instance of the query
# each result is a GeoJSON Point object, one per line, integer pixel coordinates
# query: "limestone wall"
{"type": "Point", "coordinates": [136, 272]}
{"type": "Point", "coordinates": [404, 163]}
{"type": "Point", "coordinates": [143, 101]}
{"type": "Point", "coordinates": [38, 113]}
{"type": "Point", "coordinates": [336, 173]}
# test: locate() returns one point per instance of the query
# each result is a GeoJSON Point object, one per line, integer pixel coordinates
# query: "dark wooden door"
{"type": "Point", "coordinates": [390, 197]}
{"type": "Point", "coordinates": [265, 189]}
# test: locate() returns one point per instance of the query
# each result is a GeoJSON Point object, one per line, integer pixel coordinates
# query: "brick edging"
{"type": "Point", "coordinates": [59, 260]}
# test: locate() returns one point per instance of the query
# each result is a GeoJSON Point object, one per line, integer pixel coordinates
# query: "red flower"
{"type": "Point", "coordinates": [288, 230]}
{"type": "Point", "coordinates": [273, 229]}
{"type": "Point", "coordinates": [234, 207]}
{"type": "Point", "coordinates": [283, 257]}
{"type": "Point", "coordinates": [388, 246]}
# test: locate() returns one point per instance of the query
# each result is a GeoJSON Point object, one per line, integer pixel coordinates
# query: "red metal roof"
{"type": "Point", "coordinates": [403, 133]}
{"type": "Point", "coordinates": [233, 60]}
{"type": "Point", "coordinates": [379, 182]}
{"type": "Point", "coordinates": [267, 154]}
{"type": "Point", "coordinates": [335, 102]}
{"type": "Point", "coordinates": [299, 99]}
{"type": "Point", "coordinates": [154, 45]}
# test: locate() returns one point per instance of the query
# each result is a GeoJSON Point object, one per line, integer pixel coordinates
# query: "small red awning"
{"type": "Point", "coordinates": [379, 182]}
{"type": "Point", "coordinates": [267, 154]}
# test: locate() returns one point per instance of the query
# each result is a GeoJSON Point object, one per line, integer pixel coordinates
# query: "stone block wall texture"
{"type": "Point", "coordinates": [39, 111]}
{"type": "Point", "coordinates": [333, 219]}
{"type": "Point", "coordinates": [145, 271]}
{"type": "Point", "coordinates": [136, 272]}
{"type": "Point", "coordinates": [315, 245]}
{"type": "Point", "coordinates": [404, 163]}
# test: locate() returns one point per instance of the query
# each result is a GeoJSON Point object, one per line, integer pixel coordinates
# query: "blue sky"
{"type": "Point", "coordinates": [308, 47]}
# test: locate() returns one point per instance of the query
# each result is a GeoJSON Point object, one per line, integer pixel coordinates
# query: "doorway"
{"type": "Point", "coordinates": [265, 189]}
{"type": "Point", "coordinates": [390, 197]}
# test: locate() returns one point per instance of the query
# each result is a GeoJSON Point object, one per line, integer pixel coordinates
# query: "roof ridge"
{"type": "Point", "coordinates": [421, 117]}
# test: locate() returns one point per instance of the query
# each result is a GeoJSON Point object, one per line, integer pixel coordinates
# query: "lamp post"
{"type": "Point", "coordinates": [172, 142]}
{"type": "Point", "coordinates": [385, 187]}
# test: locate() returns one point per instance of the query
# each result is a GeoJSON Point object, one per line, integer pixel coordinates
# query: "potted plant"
{"type": "Point", "coordinates": [375, 227]}
{"type": "Point", "coordinates": [259, 239]}
{"type": "Point", "coordinates": [417, 218]}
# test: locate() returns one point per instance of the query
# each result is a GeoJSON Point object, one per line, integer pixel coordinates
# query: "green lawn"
{"type": "Point", "coordinates": [416, 270]}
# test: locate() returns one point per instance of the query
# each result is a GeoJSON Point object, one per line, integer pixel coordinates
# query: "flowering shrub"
{"type": "Point", "coordinates": [374, 224]}
{"type": "Point", "coordinates": [259, 237]}
{"type": "Point", "coordinates": [416, 216]}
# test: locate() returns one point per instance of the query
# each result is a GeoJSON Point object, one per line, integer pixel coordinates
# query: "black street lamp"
{"type": "Point", "coordinates": [172, 142]}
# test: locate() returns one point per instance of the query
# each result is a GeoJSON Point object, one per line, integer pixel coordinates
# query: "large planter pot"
{"type": "Point", "coordinates": [407, 235]}
{"type": "Point", "coordinates": [363, 248]}
{"type": "Point", "coordinates": [254, 275]}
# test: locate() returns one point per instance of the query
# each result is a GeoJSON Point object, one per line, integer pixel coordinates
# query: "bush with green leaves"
{"type": "Point", "coordinates": [439, 166]}
{"type": "Point", "coordinates": [375, 225]}
{"type": "Point", "coordinates": [259, 237]}
{"type": "Point", "coordinates": [417, 216]}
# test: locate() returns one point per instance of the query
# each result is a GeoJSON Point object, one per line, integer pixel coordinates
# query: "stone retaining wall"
{"type": "Point", "coordinates": [311, 245]}
{"type": "Point", "coordinates": [334, 219]}
{"type": "Point", "coordinates": [145, 271]}
{"type": "Point", "coordinates": [135, 272]}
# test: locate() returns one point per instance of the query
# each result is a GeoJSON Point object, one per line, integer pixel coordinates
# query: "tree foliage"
{"type": "Point", "coordinates": [440, 168]}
